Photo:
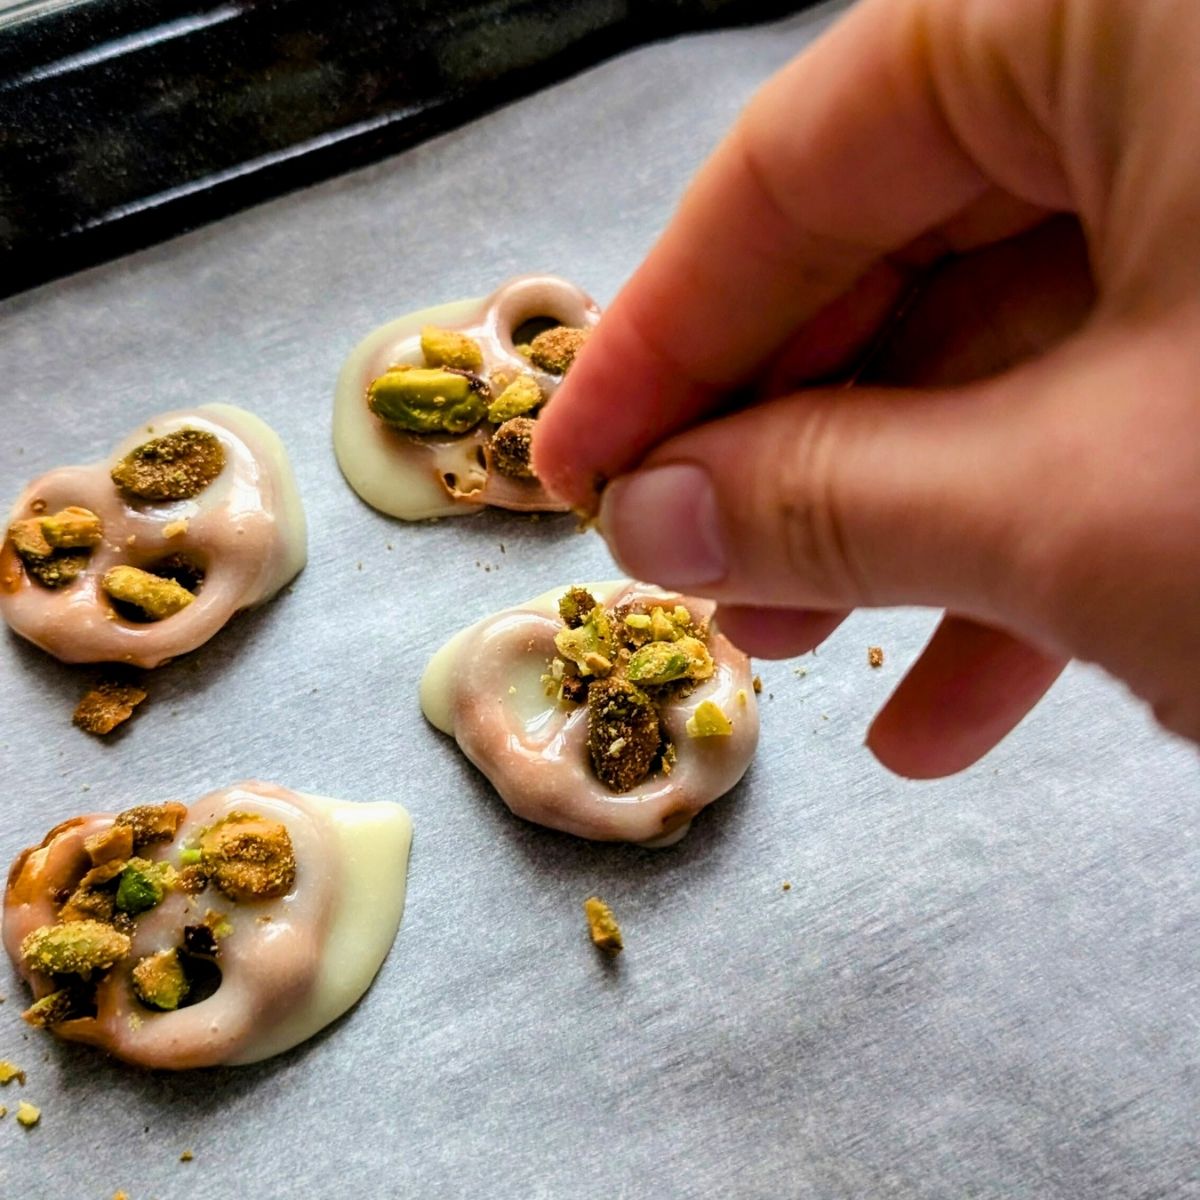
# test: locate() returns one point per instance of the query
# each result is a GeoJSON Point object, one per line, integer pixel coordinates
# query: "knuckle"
{"type": "Point", "coordinates": [808, 502]}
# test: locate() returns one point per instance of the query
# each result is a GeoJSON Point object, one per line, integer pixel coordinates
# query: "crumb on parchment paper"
{"type": "Point", "coordinates": [875, 656]}
{"type": "Point", "coordinates": [10, 1071]}
{"type": "Point", "coordinates": [28, 1114]}
{"type": "Point", "coordinates": [602, 925]}
{"type": "Point", "coordinates": [109, 704]}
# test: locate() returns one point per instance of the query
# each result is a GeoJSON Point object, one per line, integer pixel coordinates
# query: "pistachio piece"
{"type": "Point", "coordinates": [709, 721]}
{"type": "Point", "coordinates": [249, 857]}
{"type": "Point", "coordinates": [575, 606]}
{"type": "Point", "coordinates": [518, 398]}
{"type": "Point", "coordinates": [143, 885]}
{"type": "Point", "coordinates": [158, 598]}
{"type": "Point", "coordinates": [28, 539]}
{"type": "Point", "coordinates": [602, 925]}
{"type": "Point", "coordinates": [92, 899]}
{"type": "Point", "coordinates": [657, 663]}
{"type": "Point", "coordinates": [77, 948]}
{"type": "Point", "coordinates": [450, 348]}
{"type": "Point", "coordinates": [106, 706]}
{"type": "Point", "coordinates": [153, 823]}
{"type": "Point", "coordinates": [10, 1071]}
{"type": "Point", "coordinates": [176, 466]}
{"type": "Point", "coordinates": [51, 1010]}
{"type": "Point", "coordinates": [73, 528]}
{"type": "Point", "coordinates": [589, 645]}
{"type": "Point", "coordinates": [512, 445]}
{"type": "Point", "coordinates": [623, 733]}
{"type": "Point", "coordinates": [114, 844]}
{"type": "Point", "coordinates": [554, 350]}
{"type": "Point", "coordinates": [159, 981]}
{"type": "Point", "coordinates": [428, 400]}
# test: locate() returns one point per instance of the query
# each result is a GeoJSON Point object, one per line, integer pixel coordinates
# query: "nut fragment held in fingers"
{"type": "Point", "coordinates": [512, 448]}
{"type": "Point", "coordinates": [624, 734]}
{"type": "Point", "coordinates": [554, 350]}
{"type": "Point", "coordinates": [176, 466]}
{"type": "Point", "coordinates": [249, 857]}
{"type": "Point", "coordinates": [155, 596]}
{"type": "Point", "coordinates": [450, 348]}
{"type": "Point", "coordinates": [602, 925]}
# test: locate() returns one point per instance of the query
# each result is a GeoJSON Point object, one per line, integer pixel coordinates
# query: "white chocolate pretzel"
{"type": "Point", "coordinates": [288, 965]}
{"type": "Point", "coordinates": [246, 530]}
{"type": "Point", "coordinates": [486, 688]}
{"type": "Point", "coordinates": [415, 476]}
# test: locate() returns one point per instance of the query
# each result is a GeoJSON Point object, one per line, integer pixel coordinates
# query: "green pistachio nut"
{"type": "Point", "coordinates": [427, 400]}
{"type": "Point", "coordinates": [520, 397]}
{"type": "Point", "coordinates": [709, 720]}
{"type": "Point", "coordinates": [657, 663]}
{"type": "Point", "coordinates": [142, 886]}
{"type": "Point", "coordinates": [449, 348]}
{"type": "Point", "coordinates": [590, 645]}
{"type": "Point", "coordinates": [159, 981]}
{"type": "Point", "coordinates": [77, 948]}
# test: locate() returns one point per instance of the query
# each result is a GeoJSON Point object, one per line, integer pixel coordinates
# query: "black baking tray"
{"type": "Point", "coordinates": [124, 122]}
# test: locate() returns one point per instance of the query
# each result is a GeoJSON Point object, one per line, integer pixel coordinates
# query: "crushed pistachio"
{"type": "Point", "coordinates": [875, 656]}
{"type": "Point", "coordinates": [757, 681]}
{"type": "Point", "coordinates": [174, 529]}
{"type": "Point", "coordinates": [50, 566]}
{"type": "Point", "coordinates": [428, 399]}
{"type": "Point", "coordinates": [575, 606]}
{"type": "Point", "coordinates": [554, 350]}
{"type": "Point", "coordinates": [176, 466]}
{"type": "Point", "coordinates": [73, 528]}
{"type": "Point", "coordinates": [106, 706]}
{"type": "Point", "coordinates": [450, 348]}
{"type": "Point", "coordinates": [249, 857]}
{"type": "Point", "coordinates": [619, 712]}
{"type": "Point", "coordinates": [9, 1072]}
{"type": "Point", "coordinates": [28, 539]}
{"type": "Point", "coordinates": [638, 622]}
{"type": "Point", "coordinates": [157, 597]}
{"type": "Point", "coordinates": [51, 1010]}
{"type": "Point", "coordinates": [76, 948]}
{"type": "Point", "coordinates": [112, 844]}
{"type": "Point", "coordinates": [143, 885]}
{"type": "Point", "coordinates": [512, 447]}
{"type": "Point", "coordinates": [588, 644]}
{"type": "Point", "coordinates": [159, 981]}
{"type": "Point", "coordinates": [602, 925]}
{"type": "Point", "coordinates": [153, 823]}
{"type": "Point", "coordinates": [657, 663]}
{"type": "Point", "coordinates": [709, 721]}
{"type": "Point", "coordinates": [186, 1156]}
{"type": "Point", "coordinates": [189, 857]}
{"type": "Point", "coordinates": [518, 399]}
{"type": "Point", "coordinates": [192, 879]}
{"type": "Point", "coordinates": [28, 1114]}
{"type": "Point", "coordinates": [93, 898]}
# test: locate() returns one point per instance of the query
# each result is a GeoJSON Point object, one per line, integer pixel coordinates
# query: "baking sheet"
{"type": "Point", "coordinates": [981, 987]}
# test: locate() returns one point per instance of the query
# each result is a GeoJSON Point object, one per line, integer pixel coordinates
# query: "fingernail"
{"type": "Point", "coordinates": [663, 526]}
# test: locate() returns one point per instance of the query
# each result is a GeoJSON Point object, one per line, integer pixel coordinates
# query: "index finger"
{"type": "Point", "coordinates": [843, 158]}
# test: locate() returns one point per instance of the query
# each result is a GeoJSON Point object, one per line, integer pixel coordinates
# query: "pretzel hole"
{"type": "Point", "coordinates": [203, 976]}
{"type": "Point", "coordinates": [528, 329]}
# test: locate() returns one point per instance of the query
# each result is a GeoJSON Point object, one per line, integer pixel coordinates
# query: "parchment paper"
{"type": "Point", "coordinates": [984, 987]}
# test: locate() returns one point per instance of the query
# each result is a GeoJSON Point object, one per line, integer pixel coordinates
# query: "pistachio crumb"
{"type": "Point", "coordinates": [618, 711]}
{"type": "Point", "coordinates": [174, 529]}
{"type": "Point", "coordinates": [114, 844]}
{"type": "Point", "coordinates": [153, 823]}
{"type": "Point", "coordinates": [73, 528]}
{"type": "Point", "coordinates": [76, 948]}
{"type": "Point", "coordinates": [517, 399]}
{"type": "Point", "coordinates": [28, 1114]}
{"type": "Point", "coordinates": [159, 981]}
{"type": "Point", "coordinates": [602, 925]}
{"type": "Point", "coordinates": [10, 1071]}
{"type": "Point", "coordinates": [787, 886]}
{"type": "Point", "coordinates": [106, 706]}
{"type": "Point", "coordinates": [709, 721]}
{"type": "Point", "coordinates": [249, 857]}
{"type": "Point", "coordinates": [758, 685]}
{"type": "Point", "coordinates": [186, 1156]}
{"type": "Point", "coordinates": [875, 656]}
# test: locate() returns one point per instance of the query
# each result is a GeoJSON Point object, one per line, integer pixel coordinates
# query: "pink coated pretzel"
{"type": "Point", "coordinates": [268, 960]}
{"type": "Point", "coordinates": [445, 473]}
{"type": "Point", "coordinates": [245, 530]}
{"type": "Point", "coordinates": [541, 769]}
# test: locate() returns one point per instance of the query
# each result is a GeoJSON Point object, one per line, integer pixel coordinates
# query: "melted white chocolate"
{"type": "Point", "coordinates": [289, 966]}
{"type": "Point", "coordinates": [484, 688]}
{"type": "Point", "coordinates": [246, 529]}
{"type": "Point", "coordinates": [418, 476]}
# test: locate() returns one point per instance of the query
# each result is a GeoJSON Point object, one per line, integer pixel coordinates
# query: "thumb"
{"type": "Point", "coordinates": [834, 499]}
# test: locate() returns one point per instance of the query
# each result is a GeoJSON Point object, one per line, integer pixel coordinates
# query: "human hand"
{"type": "Point", "coordinates": [1039, 474]}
